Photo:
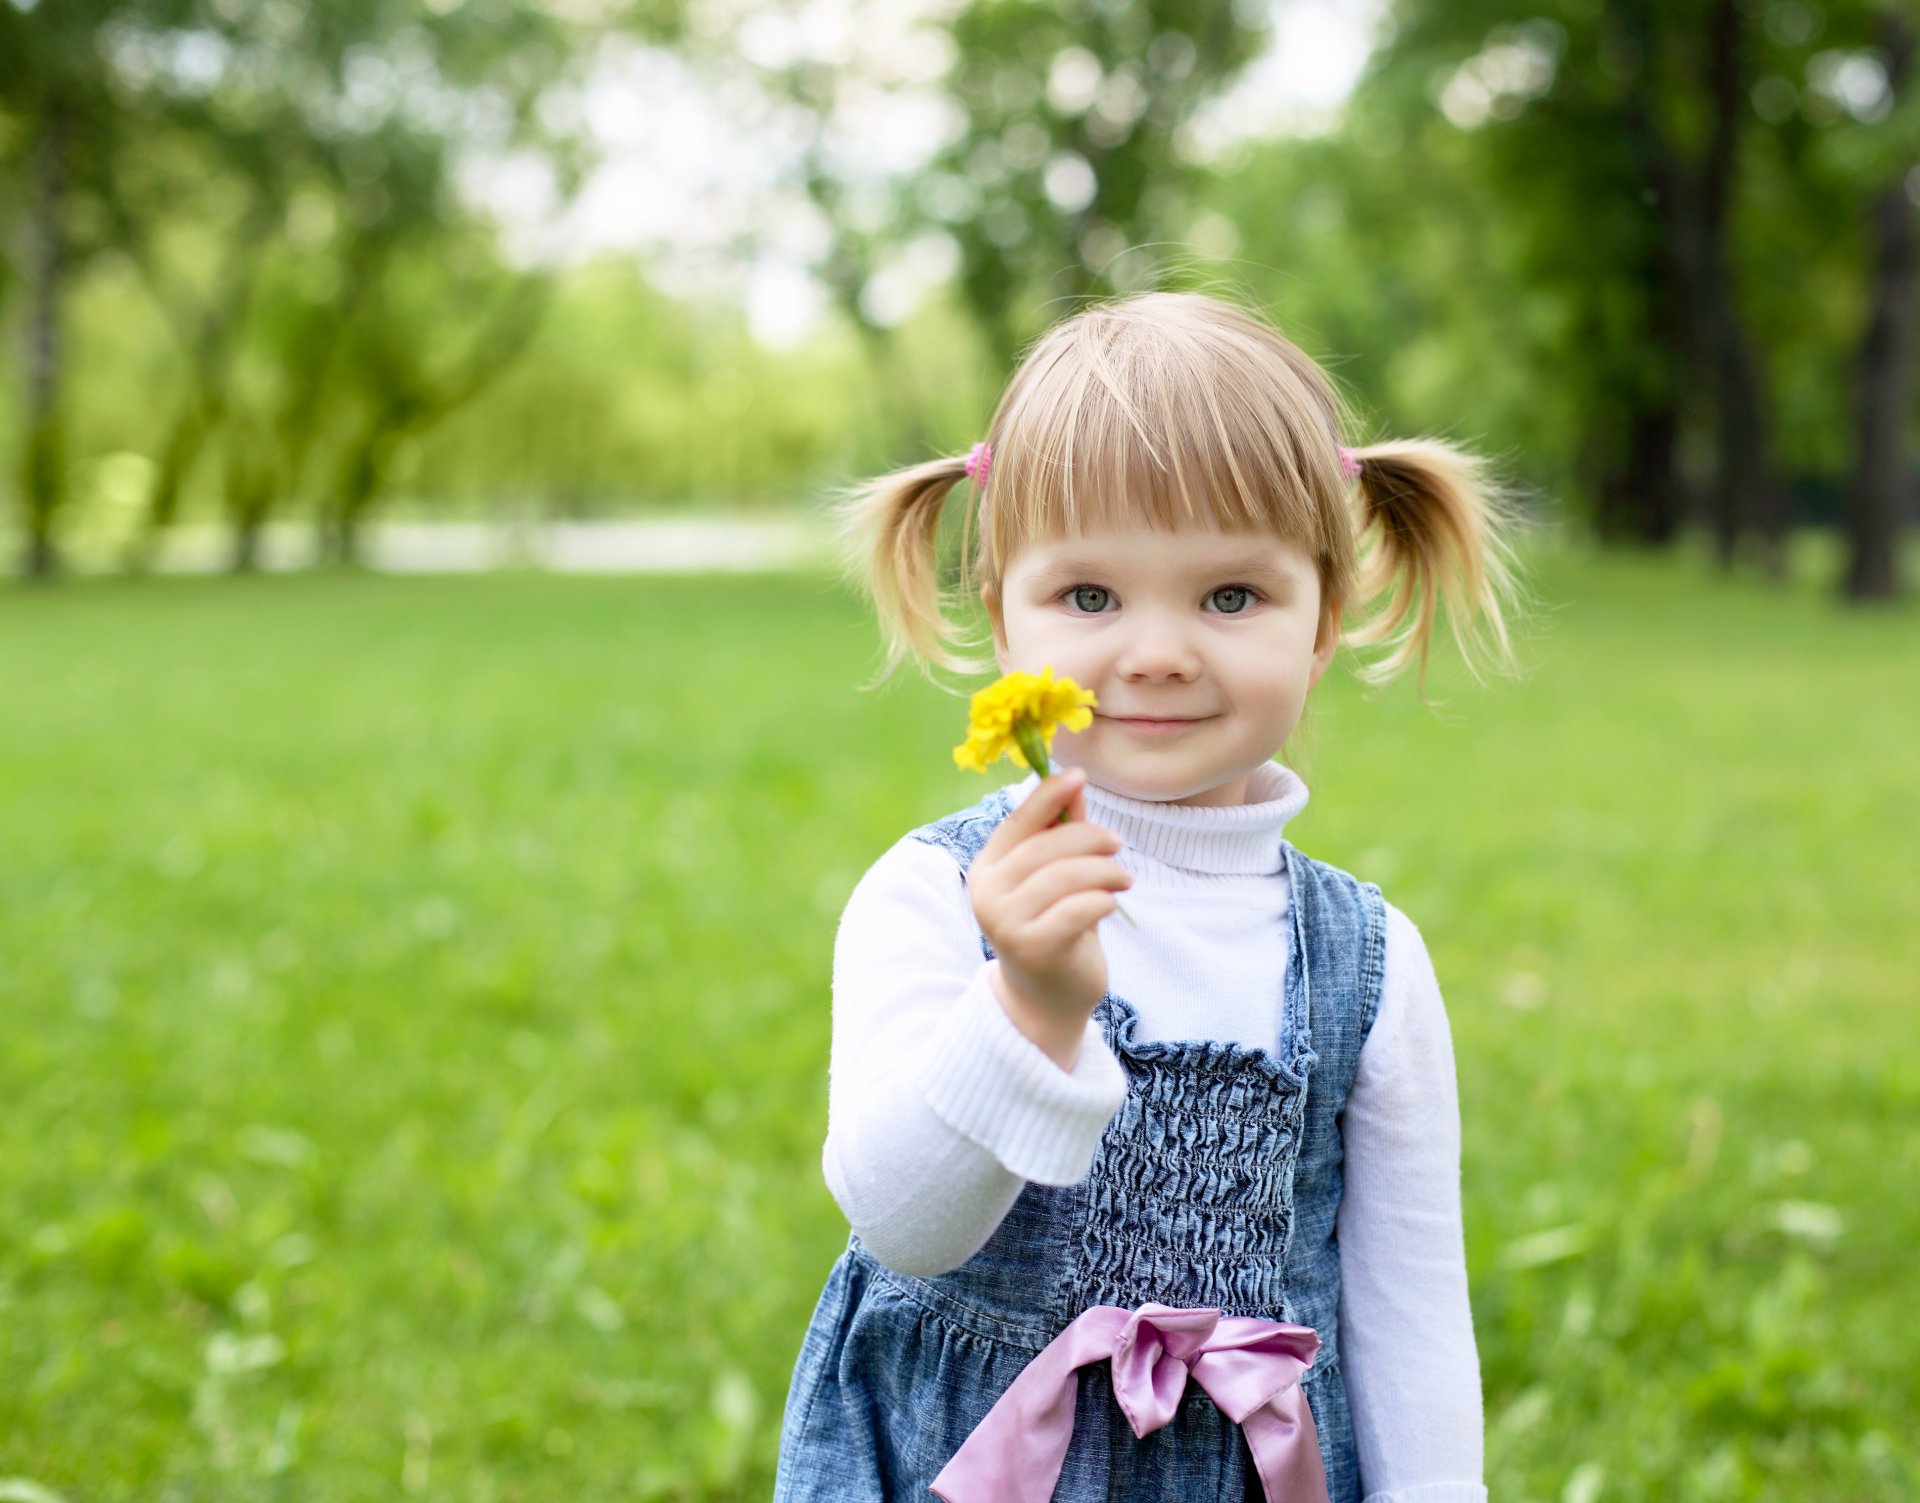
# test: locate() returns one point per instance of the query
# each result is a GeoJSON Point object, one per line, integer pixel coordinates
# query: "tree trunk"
{"type": "Point", "coordinates": [1746, 494]}
{"type": "Point", "coordinates": [45, 469]}
{"type": "Point", "coordinates": [360, 480]}
{"type": "Point", "coordinates": [250, 498]}
{"type": "Point", "coordinates": [246, 547]}
{"type": "Point", "coordinates": [1639, 490]}
{"type": "Point", "coordinates": [1746, 497]}
{"type": "Point", "coordinates": [1653, 450]}
{"type": "Point", "coordinates": [176, 459]}
{"type": "Point", "coordinates": [1639, 496]}
{"type": "Point", "coordinates": [1882, 484]}
{"type": "Point", "coordinates": [1692, 316]}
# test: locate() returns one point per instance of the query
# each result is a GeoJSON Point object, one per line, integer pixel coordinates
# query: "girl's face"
{"type": "Point", "coordinates": [1216, 635]}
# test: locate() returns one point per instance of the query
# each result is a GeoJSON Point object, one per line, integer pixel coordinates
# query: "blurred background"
{"type": "Point", "coordinates": [414, 951]}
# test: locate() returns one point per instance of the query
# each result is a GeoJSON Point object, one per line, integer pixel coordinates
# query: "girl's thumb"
{"type": "Point", "coordinates": [1070, 782]}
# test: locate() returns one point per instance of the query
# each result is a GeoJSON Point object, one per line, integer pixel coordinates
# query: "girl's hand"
{"type": "Point", "coordinates": [1038, 888]}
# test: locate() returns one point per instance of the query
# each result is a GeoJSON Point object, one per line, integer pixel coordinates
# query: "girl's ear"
{"type": "Point", "coordinates": [1326, 643]}
{"type": "Point", "coordinates": [990, 597]}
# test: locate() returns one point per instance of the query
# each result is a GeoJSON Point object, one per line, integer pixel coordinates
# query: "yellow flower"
{"type": "Point", "coordinates": [1017, 716]}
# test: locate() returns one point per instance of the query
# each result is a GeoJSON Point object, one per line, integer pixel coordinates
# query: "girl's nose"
{"type": "Point", "coordinates": [1157, 652]}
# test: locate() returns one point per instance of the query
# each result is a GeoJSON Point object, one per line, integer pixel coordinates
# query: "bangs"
{"type": "Point", "coordinates": [1123, 419]}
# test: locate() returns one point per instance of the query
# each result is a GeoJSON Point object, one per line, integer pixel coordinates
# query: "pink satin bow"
{"type": "Point", "coordinates": [1250, 1367]}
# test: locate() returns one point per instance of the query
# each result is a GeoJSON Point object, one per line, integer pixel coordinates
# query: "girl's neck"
{"type": "Point", "coordinates": [1223, 840]}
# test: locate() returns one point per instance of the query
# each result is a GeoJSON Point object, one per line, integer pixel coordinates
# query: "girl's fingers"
{"type": "Point", "coordinates": [1067, 919]}
{"type": "Point", "coordinates": [1064, 794]}
{"type": "Point", "coordinates": [1053, 844]}
{"type": "Point", "coordinates": [1032, 898]}
{"type": "Point", "coordinates": [1056, 788]}
{"type": "Point", "coordinates": [1077, 799]}
{"type": "Point", "coordinates": [1042, 808]}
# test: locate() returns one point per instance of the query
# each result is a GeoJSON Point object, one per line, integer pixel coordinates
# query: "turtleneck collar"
{"type": "Point", "coordinates": [1235, 840]}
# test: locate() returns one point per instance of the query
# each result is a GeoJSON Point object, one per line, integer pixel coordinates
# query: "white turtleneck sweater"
{"type": "Point", "coordinates": [940, 1110]}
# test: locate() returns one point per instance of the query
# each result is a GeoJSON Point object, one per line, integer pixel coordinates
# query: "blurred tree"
{"type": "Point", "coordinates": [1882, 487]}
{"type": "Point", "coordinates": [443, 321]}
{"type": "Point", "coordinates": [347, 157]}
{"type": "Point", "coordinates": [630, 398]}
{"type": "Point", "coordinates": [201, 207]}
{"type": "Point", "coordinates": [1709, 56]}
{"type": "Point", "coordinates": [1669, 177]}
{"type": "Point", "coordinates": [1628, 244]}
{"type": "Point", "coordinates": [814, 78]}
{"type": "Point", "coordinates": [62, 118]}
{"type": "Point", "coordinates": [1072, 157]}
{"type": "Point", "coordinates": [1613, 133]}
{"type": "Point", "coordinates": [301, 150]}
{"type": "Point", "coordinates": [1062, 160]}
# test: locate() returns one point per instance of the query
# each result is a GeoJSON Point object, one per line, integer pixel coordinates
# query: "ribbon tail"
{"type": "Point", "coordinates": [1015, 1454]}
{"type": "Point", "coordinates": [1286, 1448]}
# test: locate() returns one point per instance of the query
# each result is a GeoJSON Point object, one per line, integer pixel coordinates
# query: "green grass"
{"type": "Point", "coordinates": [414, 1017]}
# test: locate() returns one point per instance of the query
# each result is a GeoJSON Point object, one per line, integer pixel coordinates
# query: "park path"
{"type": "Point", "coordinates": [635, 546]}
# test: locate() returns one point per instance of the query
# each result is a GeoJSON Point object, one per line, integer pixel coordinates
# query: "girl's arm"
{"type": "Point", "coordinates": [939, 1110]}
{"type": "Point", "coordinates": [1406, 1330]}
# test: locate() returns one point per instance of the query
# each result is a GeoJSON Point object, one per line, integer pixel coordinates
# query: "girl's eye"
{"type": "Point", "coordinates": [1078, 593]}
{"type": "Point", "coordinates": [1235, 589]}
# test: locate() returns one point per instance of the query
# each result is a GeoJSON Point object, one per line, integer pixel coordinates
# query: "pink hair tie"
{"type": "Point", "coordinates": [977, 464]}
{"type": "Point", "coordinates": [1349, 464]}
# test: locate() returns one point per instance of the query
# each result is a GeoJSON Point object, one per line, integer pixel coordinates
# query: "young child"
{"type": "Point", "coordinates": [1221, 1142]}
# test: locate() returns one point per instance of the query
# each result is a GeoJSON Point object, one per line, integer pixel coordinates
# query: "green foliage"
{"type": "Point", "coordinates": [393, 1105]}
{"type": "Point", "coordinates": [1394, 266]}
{"type": "Point", "coordinates": [281, 301]}
{"type": "Point", "coordinates": [1504, 194]}
{"type": "Point", "coordinates": [1071, 153]}
{"type": "Point", "coordinates": [629, 399]}
{"type": "Point", "coordinates": [271, 171]}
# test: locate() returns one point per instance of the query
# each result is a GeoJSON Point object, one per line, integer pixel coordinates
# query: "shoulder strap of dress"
{"type": "Point", "coordinates": [962, 833]}
{"type": "Point", "coordinates": [1343, 923]}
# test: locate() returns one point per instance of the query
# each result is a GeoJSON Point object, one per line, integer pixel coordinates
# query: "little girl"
{"type": "Point", "coordinates": [1084, 1162]}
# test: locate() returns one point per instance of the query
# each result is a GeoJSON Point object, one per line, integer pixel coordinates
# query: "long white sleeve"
{"type": "Point", "coordinates": [1406, 1328]}
{"type": "Point", "coordinates": [939, 1109]}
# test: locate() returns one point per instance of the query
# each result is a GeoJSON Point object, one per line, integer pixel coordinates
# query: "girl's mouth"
{"type": "Point", "coordinates": [1149, 726]}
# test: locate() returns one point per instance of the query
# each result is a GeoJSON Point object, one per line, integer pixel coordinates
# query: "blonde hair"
{"type": "Point", "coordinates": [1181, 409]}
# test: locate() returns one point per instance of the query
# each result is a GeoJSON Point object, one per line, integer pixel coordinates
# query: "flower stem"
{"type": "Point", "coordinates": [1033, 746]}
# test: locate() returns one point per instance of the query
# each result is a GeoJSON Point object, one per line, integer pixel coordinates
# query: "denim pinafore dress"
{"type": "Point", "coordinates": [1215, 1184]}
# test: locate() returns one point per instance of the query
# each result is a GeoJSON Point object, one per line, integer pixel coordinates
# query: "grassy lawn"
{"type": "Point", "coordinates": [415, 1017]}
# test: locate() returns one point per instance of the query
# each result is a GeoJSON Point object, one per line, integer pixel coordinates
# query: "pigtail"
{"type": "Point", "coordinates": [1435, 526]}
{"type": "Point", "coordinates": [887, 536]}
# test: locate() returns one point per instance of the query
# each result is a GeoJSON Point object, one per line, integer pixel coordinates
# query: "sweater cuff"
{"type": "Point", "coordinates": [993, 1084]}
{"type": "Point", "coordinates": [1434, 1492]}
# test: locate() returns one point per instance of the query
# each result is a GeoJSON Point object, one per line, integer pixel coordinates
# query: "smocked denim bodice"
{"type": "Point", "coordinates": [1217, 1183]}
